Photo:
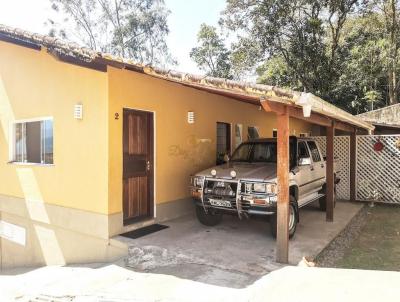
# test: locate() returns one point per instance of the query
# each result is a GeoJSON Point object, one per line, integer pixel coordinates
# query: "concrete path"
{"type": "Point", "coordinates": [113, 283]}
{"type": "Point", "coordinates": [235, 253]}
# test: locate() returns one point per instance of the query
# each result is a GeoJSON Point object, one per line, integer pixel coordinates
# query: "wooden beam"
{"type": "Point", "coordinates": [297, 112]}
{"type": "Point", "coordinates": [353, 160]}
{"type": "Point", "coordinates": [314, 117]}
{"type": "Point", "coordinates": [330, 181]}
{"type": "Point", "coordinates": [282, 238]}
{"type": "Point", "coordinates": [344, 127]}
{"type": "Point", "coordinates": [271, 106]}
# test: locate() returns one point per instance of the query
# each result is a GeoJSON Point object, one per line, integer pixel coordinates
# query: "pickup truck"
{"type": "Point", "coordinates": [246, 185]}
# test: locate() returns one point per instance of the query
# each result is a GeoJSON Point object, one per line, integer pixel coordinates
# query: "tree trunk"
{"type": "Point", "coordinates": [394, 83]}
{"type": "Point", "coordinates": [393, 53]}
{"type": "Point", "coordinates": [392, 88]}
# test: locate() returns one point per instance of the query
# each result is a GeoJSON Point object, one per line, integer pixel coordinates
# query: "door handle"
{"type": "Point", "coordinates": [148, 165]}
{"type": "Point", "coordinates": [312, 168]}
{"type": "Point", "coordinates": [322, 165]}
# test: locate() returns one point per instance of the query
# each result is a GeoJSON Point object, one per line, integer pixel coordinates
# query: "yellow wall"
{"type": "Point", "coordinates": [181, 148]}
{"type": "Point", "coordinates": [34, 84]}
{"type": "Point", "coordinates": [87, 170]}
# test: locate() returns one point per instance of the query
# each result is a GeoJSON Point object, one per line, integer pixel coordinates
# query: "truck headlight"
{"type": "Point", "coordinates": [272, 189]}
{"type": "Point", "coordinates": [259, 188]}
{"type": "Point", "coordinates": [197, 181]}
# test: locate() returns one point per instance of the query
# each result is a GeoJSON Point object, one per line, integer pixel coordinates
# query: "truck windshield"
{"type": "Point", "coordinates": [255, 152]}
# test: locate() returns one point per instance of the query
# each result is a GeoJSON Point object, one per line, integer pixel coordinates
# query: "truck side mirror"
{"type": "Point", "coordinates": [304, 161]}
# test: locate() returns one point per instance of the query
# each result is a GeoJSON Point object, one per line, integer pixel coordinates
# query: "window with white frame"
{"type": "Point", "coordinates": [33, 142]}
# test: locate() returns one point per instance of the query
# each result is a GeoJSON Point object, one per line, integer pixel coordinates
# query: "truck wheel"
{"type": "Point", "coordinates": [322, 200]}
{"type": "Point", "coordinates": [292, 219]}
{"type": "Point", "coordinates": [208, 219]}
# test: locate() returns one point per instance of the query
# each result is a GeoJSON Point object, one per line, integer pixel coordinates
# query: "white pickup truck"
{"type": "Point", "coordinates": [246, 185]}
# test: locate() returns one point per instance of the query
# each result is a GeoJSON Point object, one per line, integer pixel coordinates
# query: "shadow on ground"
{"type": "Point", "coordinates": [234, 253]}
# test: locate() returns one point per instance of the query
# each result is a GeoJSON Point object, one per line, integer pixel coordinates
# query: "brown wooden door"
{"type": "Point", "coordinates": [223, 141]}
{"type": "Point", "coordinates": [138, 176]}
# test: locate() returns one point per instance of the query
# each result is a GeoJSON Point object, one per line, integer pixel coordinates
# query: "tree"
{"type": "Point", "coordinates": [211, 55]}
{"type": "Point", "coordinates": [303, 33]}
{"type": "Point", "coordinates": [135, 29]}
{"type": "Point", "coordinates": [276, 72]}
{"type": "Point", "coordinates": [244, 56]}
{"type": "Point", "coordinates": [372, 97]}
{"type": "Point", "coordinates": [390, 11]}
{"type": "Point", "coordinates": [364, 49]}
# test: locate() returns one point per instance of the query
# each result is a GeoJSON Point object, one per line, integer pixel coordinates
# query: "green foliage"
{"type": "Point", "coordinates": [129, 28]}
{"type": "Point", "coordinates": [276, 72]}
{"type": "Point", "coordinates": [296, 31]}
{"type": "Point", "coordinates": [211, 55]}
{"type": "Point", "coordinates": [345, 51]}
{"type": "Point", "coordinates": [363, 68]}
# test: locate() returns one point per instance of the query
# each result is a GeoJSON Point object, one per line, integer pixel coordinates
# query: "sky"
{"type": "Point", "coordinates": [184, 22]}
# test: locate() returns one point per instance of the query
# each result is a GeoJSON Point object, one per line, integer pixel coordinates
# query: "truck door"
{"type": "Point", "coordinates": [318, 166]}
{"type": "Point", "coordinates": [306, 173]}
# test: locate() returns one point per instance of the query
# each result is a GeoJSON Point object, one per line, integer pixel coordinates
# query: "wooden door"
{"type": "Point", "coordinates": [138, 178]}
{"type": "Point", "coordinates": [223, 141]}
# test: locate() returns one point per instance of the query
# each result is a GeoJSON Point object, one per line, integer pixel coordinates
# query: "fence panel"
{"type": "Point", "coordinates": [378, 172]}
{"type": "Point", "coordinates": [341, 152]}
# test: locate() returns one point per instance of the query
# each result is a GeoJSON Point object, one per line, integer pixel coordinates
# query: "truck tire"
{"type": "Point", "coordinates": [292, 219]}
{"type": "Point", "coordinates": [322, 200]}
{"type": "Point", "coordinates": [208, 219]}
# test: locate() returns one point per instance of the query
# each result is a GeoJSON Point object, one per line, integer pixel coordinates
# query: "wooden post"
{"type": "Point", "coordinates": [282, 238]}
{"type": "Point", "coordinates": [330, 181]}
{"type": "Point", "coordinates": [353, 159]}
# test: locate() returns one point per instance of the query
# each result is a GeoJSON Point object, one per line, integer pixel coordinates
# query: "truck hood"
{"type": "Point", "coordinates": [244, 171]}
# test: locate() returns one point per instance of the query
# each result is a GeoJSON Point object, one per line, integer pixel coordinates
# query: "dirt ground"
{"type": "Point", "coordinates": [370, 241]}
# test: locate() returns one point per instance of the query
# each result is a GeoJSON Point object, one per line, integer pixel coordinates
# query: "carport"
{"type": "Point", "coordinates": [285, 104]}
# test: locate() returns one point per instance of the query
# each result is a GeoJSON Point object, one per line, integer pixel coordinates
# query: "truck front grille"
{"type": "Point", "coordinates": [219, 189]}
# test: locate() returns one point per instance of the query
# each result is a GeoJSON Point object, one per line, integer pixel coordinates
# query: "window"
{"type": "Point", "coordinates": [238, 134]}
{"type": "Point", "coordinates": [314, 151]}
{"type": "Point", "coordinates": [223, 141]}
{"type": "Point", "coordinates": [33, 142]}
{"type": "Point", "coordinates": [255, 152]}
{"type": "Point", "coordinates": [252, 132]}
{"type": "Point", "coordinates": [242, 153]}
{"type": "Point", "coordinates": [264, 153]}
{"type": "Point", "coordinates": [303, 151]}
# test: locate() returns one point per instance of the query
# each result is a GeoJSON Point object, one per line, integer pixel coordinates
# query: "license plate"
{"type": "Point", "coordinates": [220, 203]}
{"type": "Point", "coordinates": [273, 198]}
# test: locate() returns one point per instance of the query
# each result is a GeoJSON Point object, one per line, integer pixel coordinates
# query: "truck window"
{"type": "Point", "coordinates": [252, 132]}
{"type": "Point", "coordinates": [264, 153]}
{"type": "Point", "coordinates": [302, 150]}
{"type": "Point", "coordinates": [314, 151]}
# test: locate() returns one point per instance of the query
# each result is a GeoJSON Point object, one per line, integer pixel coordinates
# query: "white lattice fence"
{"type": "Point", "coordinates": [341, 152]}
{"type": "Point", "coordinates": [378, 172]}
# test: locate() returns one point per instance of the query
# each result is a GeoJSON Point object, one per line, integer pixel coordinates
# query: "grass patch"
{"type": "Point", "coordinates": [370, 241]}
{"type": "Point", "coordinates": [378, 244]}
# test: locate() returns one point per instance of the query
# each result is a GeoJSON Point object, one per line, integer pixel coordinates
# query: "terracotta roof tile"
{"type": "Point", "coordinates": [241, 89]}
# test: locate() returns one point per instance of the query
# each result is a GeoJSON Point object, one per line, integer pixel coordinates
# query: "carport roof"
{"type": "Point", "coordinates": [243, 91]}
